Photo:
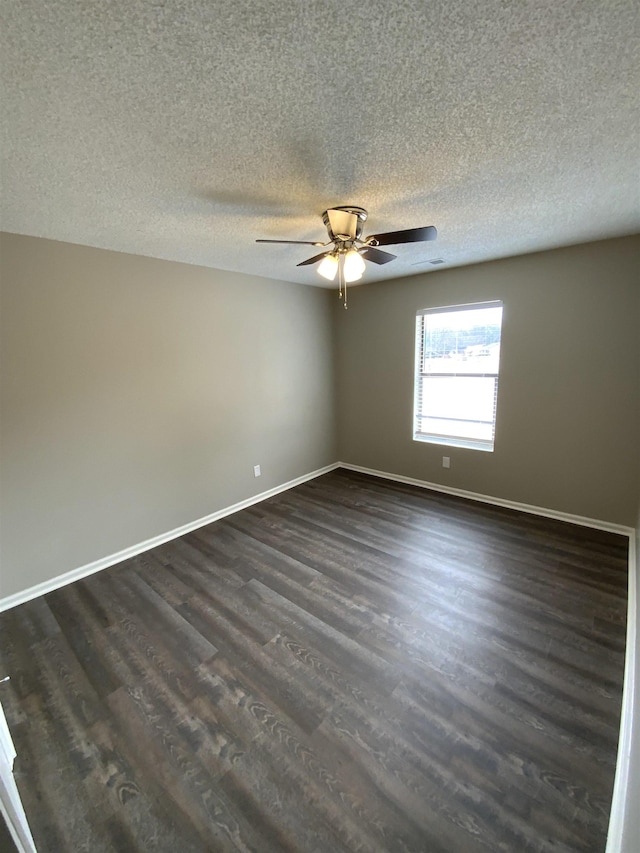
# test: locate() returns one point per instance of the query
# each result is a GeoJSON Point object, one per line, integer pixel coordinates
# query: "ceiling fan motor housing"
{"type": "Point", "coordinates": [345, 223]}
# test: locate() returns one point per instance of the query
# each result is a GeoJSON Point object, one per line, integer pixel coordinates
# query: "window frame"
{"type": "Point", "coordinates": [420, 374]}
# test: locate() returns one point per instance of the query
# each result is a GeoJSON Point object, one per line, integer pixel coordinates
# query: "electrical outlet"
{"type": "Point", "coordinates": [256, 471]}
{"type": "Point", "coordinates": [446, 462]}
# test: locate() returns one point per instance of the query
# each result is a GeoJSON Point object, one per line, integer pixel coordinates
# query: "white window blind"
{"type": "Point", "coordinates": [456, 375]}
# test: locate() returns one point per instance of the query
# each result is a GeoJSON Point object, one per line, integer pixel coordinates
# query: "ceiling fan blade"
{"type": "Point", "coordinates": [313, 260]}
{"type": "Point", "coordinates": [297, 242]}
{"type": "Point", "coordinates": [343, 222]}
{"type": "Point", "coordinates": [378, 257]}
{"type": "Point", "coordinates": [411, 235]}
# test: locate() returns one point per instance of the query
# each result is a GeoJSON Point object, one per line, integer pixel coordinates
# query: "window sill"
{"type": "Point", "coordinates": [467, 443]}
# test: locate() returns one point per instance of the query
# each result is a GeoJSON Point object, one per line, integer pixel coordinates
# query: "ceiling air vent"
{"type": "Point", "coordinates": [433, 261]}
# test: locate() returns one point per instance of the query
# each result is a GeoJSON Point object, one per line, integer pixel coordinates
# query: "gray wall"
{"type": "Point", "coordinates": [568, 407]}
{"type": "Point", "coordinates": [136, 396]}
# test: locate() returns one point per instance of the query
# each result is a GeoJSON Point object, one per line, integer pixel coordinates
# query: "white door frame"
{"type": "Point", "coordinates": [10, 803]}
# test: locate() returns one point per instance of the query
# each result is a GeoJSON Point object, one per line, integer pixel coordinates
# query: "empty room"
{"type": "Point", "coordinates": [319, 427]}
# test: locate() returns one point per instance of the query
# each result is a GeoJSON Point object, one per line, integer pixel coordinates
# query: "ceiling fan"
{"type": "Point", "coordinates": [350, 250]}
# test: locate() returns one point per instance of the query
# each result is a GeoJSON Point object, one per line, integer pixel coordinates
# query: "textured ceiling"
{"type": "Point", "coordinates": [185, 130]}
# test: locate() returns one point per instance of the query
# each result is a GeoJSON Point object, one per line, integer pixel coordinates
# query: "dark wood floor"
{"type": "Point", "coordinates": [6, 841]}
{"type": "Point", "coordinates": [353, 665]}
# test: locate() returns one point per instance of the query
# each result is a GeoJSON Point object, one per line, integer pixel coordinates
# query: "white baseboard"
{"type": "Point", "coordinates": [583, 521]}
{"type": "Point", "coordinates": [104, 563]}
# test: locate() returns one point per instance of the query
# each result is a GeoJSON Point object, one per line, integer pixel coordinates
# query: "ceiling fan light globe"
{"type": "Point", "coordinates": [328, 267]}
{"type": "Point", "coordinates": [354, 265]}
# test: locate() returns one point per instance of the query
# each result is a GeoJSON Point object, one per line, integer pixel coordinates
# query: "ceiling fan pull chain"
{"type": "Point", "coordinates": [345, 294]}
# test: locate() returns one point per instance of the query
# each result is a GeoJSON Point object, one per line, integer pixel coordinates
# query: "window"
{"type": "Point", "coordinates": [457, 359]}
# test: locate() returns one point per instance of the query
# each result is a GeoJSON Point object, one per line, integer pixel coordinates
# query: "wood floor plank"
{"type": "Point", "coordinates": [351, 665]}
{"type": "Point", "coordinates": [295, 691]}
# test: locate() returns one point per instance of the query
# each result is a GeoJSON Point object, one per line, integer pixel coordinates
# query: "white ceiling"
{"type": "Point", "coordinates": [187, 129]}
